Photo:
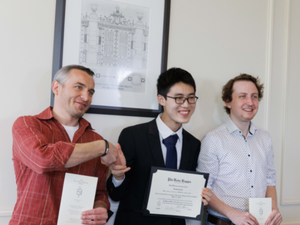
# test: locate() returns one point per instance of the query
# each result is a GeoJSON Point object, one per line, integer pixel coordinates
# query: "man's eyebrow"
{"type": "Point", "coordinates": [245, 93]}
{"type": "Point", "coordinates": [180, 94]}
{"type": "Point", "coordinates": [80, 84]}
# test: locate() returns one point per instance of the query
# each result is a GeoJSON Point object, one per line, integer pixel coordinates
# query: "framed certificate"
{"type": "Point", "coordinates": [125, 43]}
{"type": "Point", "coordinates": [175, 193]}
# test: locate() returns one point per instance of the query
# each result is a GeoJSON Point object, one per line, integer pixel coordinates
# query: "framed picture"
{"type": "Point", "coordinates": [125, 43]}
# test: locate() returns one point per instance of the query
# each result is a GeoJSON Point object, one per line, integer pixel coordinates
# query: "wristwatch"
{"type": "Point", "coordinates": [106, 148]}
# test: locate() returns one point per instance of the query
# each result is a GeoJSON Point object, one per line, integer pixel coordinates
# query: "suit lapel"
{"type": "Point", "coordinates": [186, 150]}
{"type": "Point", "coordinates": [155, 146]}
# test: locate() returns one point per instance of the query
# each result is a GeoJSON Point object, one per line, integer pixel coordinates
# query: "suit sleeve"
{"type": "Point", "coordinates": [127, 142]}
{"type": "Point", "coordinates": [32, 148]}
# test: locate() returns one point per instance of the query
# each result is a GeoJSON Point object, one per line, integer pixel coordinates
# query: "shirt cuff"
{"type": "Point", "coordinates": [117, 183]}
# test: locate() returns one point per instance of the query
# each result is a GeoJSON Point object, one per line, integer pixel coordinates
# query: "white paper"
{"type": "Point", "coordinates": [260, 208]}
{"type": "Point", "coordinates": [176, 193]}
{"type": "Point", "coordinates": [78, 195]}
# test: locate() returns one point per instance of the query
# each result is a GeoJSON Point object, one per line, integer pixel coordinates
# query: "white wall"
{"type": "Point", "coordinates": [215, 40]}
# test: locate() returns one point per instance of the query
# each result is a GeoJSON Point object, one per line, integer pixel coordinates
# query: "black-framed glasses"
{"type": "Point", "coordinates": [181, 100]}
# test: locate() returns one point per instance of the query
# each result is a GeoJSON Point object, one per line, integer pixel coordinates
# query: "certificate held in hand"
{"type": "Point", "coordinates": [78, 195]}
{"type": "Point", "coordinates": [260, 208]}
{"type": "Point", "coordinates": [175, 193]}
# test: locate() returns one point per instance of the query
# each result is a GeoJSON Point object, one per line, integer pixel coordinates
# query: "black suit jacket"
{"type": "Point", "coordinates": [142, 149]}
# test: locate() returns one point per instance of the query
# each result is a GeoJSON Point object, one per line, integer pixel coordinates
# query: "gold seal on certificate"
{"type": "Point", "coordinates": [175, 193]}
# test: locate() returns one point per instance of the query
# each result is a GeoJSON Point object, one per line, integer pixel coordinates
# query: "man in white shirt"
{"type": "Point", "coordinates": [163, 143]}
{"type": "Point", "coordinates": [239, 157]}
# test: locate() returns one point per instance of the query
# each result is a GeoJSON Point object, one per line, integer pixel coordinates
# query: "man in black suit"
{"type": "Point", "coordinates": [146, 145]}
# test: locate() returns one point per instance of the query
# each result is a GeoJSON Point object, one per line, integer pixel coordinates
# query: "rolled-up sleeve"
{"type": "Point", "coordinates": [31, 147]}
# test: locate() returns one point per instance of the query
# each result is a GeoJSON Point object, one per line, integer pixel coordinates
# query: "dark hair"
{"type": "Point", "coordinates": [172, 76]}
{"type": "Point", "coordinates": [228, 88]}
{"type": "Point", "coordinates": [62, 75]}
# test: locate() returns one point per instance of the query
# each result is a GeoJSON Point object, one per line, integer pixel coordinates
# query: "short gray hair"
{"type": "Point", "coordinates": [62, 75]}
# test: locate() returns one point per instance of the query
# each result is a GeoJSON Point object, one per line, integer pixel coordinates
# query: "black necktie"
{"type": "Point", "coordinates": [170, 142]}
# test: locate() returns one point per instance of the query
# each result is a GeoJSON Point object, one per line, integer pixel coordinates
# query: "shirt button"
{"type": "Point", "coordinates": [249, 155]}
{"type": "Point", "coordinates": [252, 186]}
{"type": "Point", "coordinates": [251, 171]}
{"type": "Point", "coordinates": [245, 140]}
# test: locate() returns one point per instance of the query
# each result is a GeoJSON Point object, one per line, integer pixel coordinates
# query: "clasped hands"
{"type": "Point", "coordinates": [119, 168]}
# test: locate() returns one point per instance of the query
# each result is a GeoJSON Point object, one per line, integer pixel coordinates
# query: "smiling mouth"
{"type": "Point", "coordinates": [184, 113]}
{"type": "Point", "coordinates": [82, 104]}
{"type": "Point", "coordinates": [248, 110]}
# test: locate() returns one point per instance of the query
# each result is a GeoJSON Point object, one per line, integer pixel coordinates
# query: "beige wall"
{"type": "Point", "coordinates": [213, 39]}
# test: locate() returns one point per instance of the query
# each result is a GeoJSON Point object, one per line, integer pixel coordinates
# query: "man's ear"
{"type": "Point", "coordinates": [55, 87]}
{"type": "Point", "coordinates": [161, 100]}
{"type": "Point", "coordinates": [228, 104]}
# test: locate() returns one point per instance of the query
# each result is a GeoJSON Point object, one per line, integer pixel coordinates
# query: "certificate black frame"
{"type": "Point", "coordinates": [202, 215]}
{"type": "Point", "coordinates": [100, 109]}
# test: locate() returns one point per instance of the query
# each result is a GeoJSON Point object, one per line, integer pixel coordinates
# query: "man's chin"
{"type": "Point", "coordinates": [183, 120]}
{"type": "Point", "coordinates": [78, 114]}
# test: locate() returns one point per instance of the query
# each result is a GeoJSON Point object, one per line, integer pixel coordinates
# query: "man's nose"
{"type": "Point", "coordinates": [250, 100]}
{"type": "Point", "coordinates": [85, 95]}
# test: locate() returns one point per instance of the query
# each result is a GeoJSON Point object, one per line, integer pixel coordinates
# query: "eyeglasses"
{"type": "Point", "coordinates": [181, 100]}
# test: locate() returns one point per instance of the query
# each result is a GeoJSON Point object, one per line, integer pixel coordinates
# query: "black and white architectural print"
{"type": "Point", "coordinates": [114, 44]}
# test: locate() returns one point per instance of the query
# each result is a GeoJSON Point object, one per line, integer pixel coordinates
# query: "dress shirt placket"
{"type": "Point", "coordinates": [250, 165]}
{"type": "Point", "coordinates": [248, 156]}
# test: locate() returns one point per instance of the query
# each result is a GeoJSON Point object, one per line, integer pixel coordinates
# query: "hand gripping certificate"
{"type": "Point", "coordinates": [78, 195]}
{"type": "Point", "coordinates": [175, 193]}
{"type": "Point", "coordinates": [260, 208]}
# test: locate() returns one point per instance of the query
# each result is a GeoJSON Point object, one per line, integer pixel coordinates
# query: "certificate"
{"type": "Point", "coordinates": [175, 193]}
{"type": "Point", "coordinates": [260, 208]}
{"type": "Point", "coordinates": [78, 195]}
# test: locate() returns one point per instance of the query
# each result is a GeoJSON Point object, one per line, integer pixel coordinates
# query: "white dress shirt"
{"type": "Point", "coordinates": [239, 168]}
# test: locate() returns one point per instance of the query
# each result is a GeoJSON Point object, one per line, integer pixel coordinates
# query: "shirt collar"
{"type": "Point", "coordinates": [48, 115]}
{"type": "Point", "coordinates": [165, 131]}
{"type": "Point", "coordinates": [252, 129]}
{"type": "Point", "coordinates": [231, 127]}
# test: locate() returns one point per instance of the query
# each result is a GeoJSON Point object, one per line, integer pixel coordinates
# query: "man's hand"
{"type": "Point", "coordinates": [275, 218]}
{"type": "Point", "coordinates": [98, 215]}
{"type": "Point", "coordinates": [111, 156]}
{"type": "Point", "coordinates": [206, 194]}
{"type": "Point", "coordinates": [119, 168]}
{"type": "Point", "coordinates": [242, 218]}
{"type": "Point", "coordinates": [94, 216]}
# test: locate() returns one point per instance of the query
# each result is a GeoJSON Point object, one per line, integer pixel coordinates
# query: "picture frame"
{"type": "Point", "coordinates": [125, 42]}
